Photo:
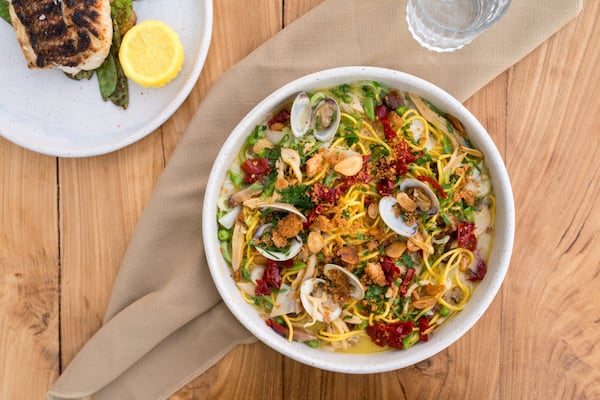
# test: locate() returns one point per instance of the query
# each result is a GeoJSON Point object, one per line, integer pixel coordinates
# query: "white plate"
{"type": "Point", "coordinates": [45, 111]}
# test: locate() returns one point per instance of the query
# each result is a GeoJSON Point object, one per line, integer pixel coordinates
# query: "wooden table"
{"type": "Point", "coordinates": [65, 225]}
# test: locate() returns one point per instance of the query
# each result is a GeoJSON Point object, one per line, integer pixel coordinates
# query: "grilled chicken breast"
{"type": "Point", "coordinates": [72, 35]}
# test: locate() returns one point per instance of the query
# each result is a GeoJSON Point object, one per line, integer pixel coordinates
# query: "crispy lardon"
{"type": "Point", "coordinates": [72, 35]}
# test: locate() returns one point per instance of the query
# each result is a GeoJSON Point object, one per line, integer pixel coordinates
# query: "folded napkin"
{"type": "Point", "coordinates": [165, 323]}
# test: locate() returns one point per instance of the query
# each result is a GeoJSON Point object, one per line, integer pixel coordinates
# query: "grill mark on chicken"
{"type": "Point", "coordinates": [68, 34]}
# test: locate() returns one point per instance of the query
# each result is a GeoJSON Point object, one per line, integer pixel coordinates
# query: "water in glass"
{"type": "Point", "coordinates": [448, 25]}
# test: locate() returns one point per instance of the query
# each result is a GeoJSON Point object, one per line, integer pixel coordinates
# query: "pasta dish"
{"type": "Point", "coordinates": [357, 218]}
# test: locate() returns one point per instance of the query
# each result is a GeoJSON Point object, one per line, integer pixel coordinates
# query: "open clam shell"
{"type": "Point", "coordinates": [316, 302]}
{"type": "Point", "coordinates": [387, 211]}
{"type": "Point", "coordinates": [326, 119]}
{"type": "Point", "coordinates": [300, 115]}
{"type": "Point", "coordinates": [295, 245]}
{"type": "Point", "coordinates": [388, 208]}
{"type": "Point", "coordinates": [413, 183]}
{"type": "Point", "coordinates": [358, 291]}
{"type": "Point", "coordinates": [284, 207]}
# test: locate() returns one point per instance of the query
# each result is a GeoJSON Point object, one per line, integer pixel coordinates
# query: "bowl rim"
{"type": "Point", "coordinates": [371, 362]}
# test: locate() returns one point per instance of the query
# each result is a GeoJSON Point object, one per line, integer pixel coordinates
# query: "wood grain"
{"type": "Point", "coordinates": [65, 225]}
{"type": "Point", "coordinates": [552, 317]}
{"type": "Point", "coordinates": [29, 295]}
{"type": "Point", "coordinates": [94, 234]}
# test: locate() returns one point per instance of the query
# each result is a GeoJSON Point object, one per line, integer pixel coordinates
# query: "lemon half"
{"type": "Point", "coordinates": [151, 54]}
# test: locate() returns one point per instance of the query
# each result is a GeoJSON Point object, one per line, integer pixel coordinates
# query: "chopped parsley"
{"type": "Point", "coordinates": [297, 196]}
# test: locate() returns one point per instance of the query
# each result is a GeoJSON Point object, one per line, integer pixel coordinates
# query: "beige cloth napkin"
{"type": "Point", "coordinates": [165, 323]}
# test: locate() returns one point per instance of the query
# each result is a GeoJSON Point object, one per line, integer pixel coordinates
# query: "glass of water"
{"type": "Point", "coordinates": [448, 25]}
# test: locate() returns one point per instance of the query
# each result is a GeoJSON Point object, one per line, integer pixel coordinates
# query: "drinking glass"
{"type": "Point", "coordinates": [448, 25]}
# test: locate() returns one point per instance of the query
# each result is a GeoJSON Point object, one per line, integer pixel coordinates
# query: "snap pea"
{"type": "Point", "coordinates": [370, 107]}
{"type": "Point", "coordinates": [107, 77]}
{"type": "Point", "coordinates": [236, 178]}
{"type": "Point", "coordinates": [4, 14]}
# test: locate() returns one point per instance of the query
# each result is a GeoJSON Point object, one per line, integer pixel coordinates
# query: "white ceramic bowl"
{"type": "Point", "coordinates": [445, 335]}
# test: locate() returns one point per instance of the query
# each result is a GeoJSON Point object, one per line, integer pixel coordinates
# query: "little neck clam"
{"type": "Point", "coordinates": [319, 303]}
{"type": "Point", "coordinates": [413, 196]}
{"type": "Point", "coordinates": [294, 244]}
{"type": "Point", "coordinates": [323, 118]}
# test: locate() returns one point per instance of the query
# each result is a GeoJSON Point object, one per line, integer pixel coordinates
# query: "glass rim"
{"type": "Point", "coordinates": [479, 28]}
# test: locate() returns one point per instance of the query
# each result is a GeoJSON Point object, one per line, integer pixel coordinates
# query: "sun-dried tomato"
{"type": "Point", "coordinates": [404, 157]}
{"type": "Point", "coordinates": [271, 279]}
{"type": "Point", "coordinates": [433, 183]}
{"type": "Point", "coordinates": [316, 211]}
{"type": "Point", "coordinates": [255, 168]}
{"type": "Point", "coordinates": [480, 271]}
{"type": "Point", "coordinates": [324, 194]}
{"type": "Point", "coordinates": [390, 335]}
{"type": "Point", "coordinates": [385, 187]}
{"type": "Point", "coordinates": [390, 269]}
{"type": "Point", "coordinates": [423, 326]}
{"type": "Point", "coordinates": [408, 277]}
{"type": "Point", "coordinates": [262, 289]}
{"type": "Point", "coordinates": [281, 117]}
{"type": "Point", "coordinates": [382, 115]}
{"type": "Point", "coordinates": [381, 112]}
{"type": "Point", "coordinates": [466, 235]}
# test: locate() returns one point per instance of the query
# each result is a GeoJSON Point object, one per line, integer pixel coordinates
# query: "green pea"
{"type": "Point", "coordinates": [401, 110]}
{"type": "Point", "coordinates": [444, 312]}
{"type": "Point", "coordinates": [223, 234]}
